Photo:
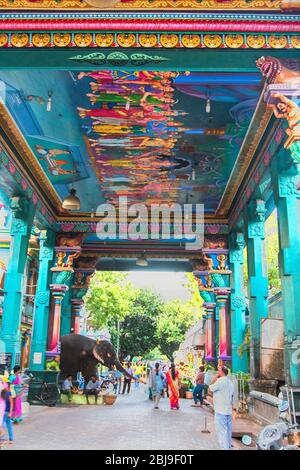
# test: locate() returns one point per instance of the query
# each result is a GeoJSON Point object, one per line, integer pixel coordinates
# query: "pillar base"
{"type": "Point", "coordinates": [265, 386]}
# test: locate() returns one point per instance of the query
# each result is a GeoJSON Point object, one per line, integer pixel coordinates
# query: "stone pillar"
{"type": "Point", "coordinates": [237, 302]}
{"type": "Point", "coordinates": [66, 311]}
{"type": "Point", "coordinates": [287, 197]}
{"type": "Point", "coordinates": [58, 292]}
{"type": "Point", "coordinates": [222, 297]}
{"type": "Point", "coordinates": [42, 302]}
{"type": "Point", "coordinates": [22, 220]}
{"type": "Point", "coordinates": [210, 332]}
{"type": "Point", "coordinates": [285, 172]}
{"type": "Point", "coordinates": [257, 278]}
{"type": "Point", "coordinates": [75, 319]}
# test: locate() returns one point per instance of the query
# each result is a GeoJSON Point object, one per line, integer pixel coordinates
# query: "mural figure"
{"type": "Point", "coordinates": [54, 166]}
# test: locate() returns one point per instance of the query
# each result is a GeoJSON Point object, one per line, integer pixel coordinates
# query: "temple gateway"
{"type": "Point", "coordinates": [122, 106]}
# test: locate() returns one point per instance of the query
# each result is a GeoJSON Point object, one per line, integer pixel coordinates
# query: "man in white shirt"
{"type": "Point", "coordinates": [223, 394]}
{"type": "Point", "coordinates": [67, 388]}
{"type": "Point", "coordinates": [93, 388]}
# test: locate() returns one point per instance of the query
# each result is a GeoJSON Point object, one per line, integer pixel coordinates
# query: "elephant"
{"type": "Point", "coordinates": [82, 354]}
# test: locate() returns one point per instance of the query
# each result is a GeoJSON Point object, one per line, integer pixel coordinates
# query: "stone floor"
{"type": "Point", "coordinates": [130, 424]}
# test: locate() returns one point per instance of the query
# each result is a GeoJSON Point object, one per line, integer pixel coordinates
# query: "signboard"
{"type": "Point", "coordinates": [271, 348]}
{"type": "Point", "coordinates": [5, 362]}
{"type": "Point", "coordinates": [37, 358]}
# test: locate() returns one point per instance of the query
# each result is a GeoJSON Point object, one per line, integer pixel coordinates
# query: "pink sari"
{"type": "Point", "coordinates": [173, 388]}
{"type": "Point", "coordinates": [17, 411]}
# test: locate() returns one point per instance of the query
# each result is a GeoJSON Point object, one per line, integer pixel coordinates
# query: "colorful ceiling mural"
{"type": "Point", "coordinates": [153, 136]}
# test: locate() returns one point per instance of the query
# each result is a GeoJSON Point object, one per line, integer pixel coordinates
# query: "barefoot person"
{"type": "Point", "coordinates": [7, 419]}
{"type": "Point", "coordinates": [156, 384]}
{"type": "Point", "coordinates": [173, 383]}
{"type": "Point", "coordinates": [199, 387]}
{"type": "Point", "coordinates": [223, 393]}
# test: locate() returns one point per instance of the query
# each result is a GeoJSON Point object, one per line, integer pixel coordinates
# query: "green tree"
{"type": "Point", "coordinates": [110, 298]}
{"type": "Point", "coordinates": [174, 321]}
{"type": "Point", "coordinates": [137, 330]}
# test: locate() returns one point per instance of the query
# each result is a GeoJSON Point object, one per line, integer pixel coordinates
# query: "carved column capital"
{"type": "Point", "coordinates": [256, 218]}
{"type": "Point", "coordinates": [236, 245]}
{"type": "Point", "coordinates": [19, 207]}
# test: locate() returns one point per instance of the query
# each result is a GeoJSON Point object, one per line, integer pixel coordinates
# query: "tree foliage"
{"type": "Point", "coordinates": [174, 321]}
{"type": "Point", "coordinates": [137, 330]}
{"type": "Point", "coordinates": [138, 319]}
{"type": "Point", "coordinates": [110, 298]}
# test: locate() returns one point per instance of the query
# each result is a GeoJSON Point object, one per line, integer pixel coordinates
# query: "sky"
{"type": "Point", "coordinates": [167, 284]}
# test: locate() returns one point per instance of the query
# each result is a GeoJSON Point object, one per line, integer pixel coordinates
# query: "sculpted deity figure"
{"type": "Point", "coordinates": [286, 109]}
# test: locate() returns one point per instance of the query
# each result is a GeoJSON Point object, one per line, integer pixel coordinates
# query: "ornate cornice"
{"type": "Point", "coordinates": [23, 37]}
{"type": "Point", "coordinates": [142, 4]}
{"type": "Point", "coordinates": [253, 137]}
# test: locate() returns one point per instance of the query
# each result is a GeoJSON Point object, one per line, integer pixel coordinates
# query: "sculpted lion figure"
{"type": "Point", "coordinates": [275, 72]}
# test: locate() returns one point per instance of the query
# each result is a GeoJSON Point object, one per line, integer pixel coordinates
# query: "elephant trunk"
{"type": "Point", "coordinates": [124, 371]}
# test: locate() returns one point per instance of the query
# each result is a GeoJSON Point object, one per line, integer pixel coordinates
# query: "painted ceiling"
{"type": "Point", "coordinates": [151, 136]}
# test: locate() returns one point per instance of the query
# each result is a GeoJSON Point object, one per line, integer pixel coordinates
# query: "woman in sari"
{"type": "Point", "coordinates": [173, 382]}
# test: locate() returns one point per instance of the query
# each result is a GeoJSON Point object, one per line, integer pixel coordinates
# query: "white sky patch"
{"type": "Point", "coordinates": [168, 284]}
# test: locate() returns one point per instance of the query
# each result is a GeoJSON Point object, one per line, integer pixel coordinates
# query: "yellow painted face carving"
{"type": "Point", "coordinates": [41, 40]}
{"type": "Point", "coordinates": [126, 40]}
{"type": "Point", "coordinates": [169, 40]}
{"type": "Point", "coordinates": [148, 40]}
{"type": "Point", "coordinates": [62, 40]}
{"type": "Point", "coordinates": [83, 40]}
{"type": "Point", "coordinates": [234, 40]}
{"type": "Point", "coordinates": [278, 42]}
{"type": "Point", "coordinates": [19, 39]}
{"type": "Point", "coordinates": [256, 41]}
{"type": "Point", "coordinates": [104, 40]}
{"type": "Point", "coordinates": [212, 40]}
{"type": "Point", "coordinates": [3, 39]}
{"type": "Point", "coordinates": [191, 40]}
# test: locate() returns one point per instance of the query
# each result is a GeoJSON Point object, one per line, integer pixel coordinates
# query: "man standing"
{"type": "Point", "coordinates": [223, 391]}
{"type": "Point", "coordinates": [198, 390]}
{"type": "Point", "coordinates": [127, 380]}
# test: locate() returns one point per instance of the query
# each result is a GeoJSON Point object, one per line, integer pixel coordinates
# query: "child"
{"type": "Point", "coordinates": [7, 421]}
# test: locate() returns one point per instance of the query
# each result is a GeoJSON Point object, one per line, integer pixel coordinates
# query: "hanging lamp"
{"type": "Point", "coordinates": [71, 202]}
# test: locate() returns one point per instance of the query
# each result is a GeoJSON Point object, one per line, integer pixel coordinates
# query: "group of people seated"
{"type": "Point", "coordinates": [92, 388]}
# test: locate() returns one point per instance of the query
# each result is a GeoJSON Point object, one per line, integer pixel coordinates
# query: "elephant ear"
{"type": "Point", "coordinates": [97, 355]}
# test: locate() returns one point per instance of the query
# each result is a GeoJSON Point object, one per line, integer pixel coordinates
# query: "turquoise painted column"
{"type": "Point", "coordinates": [237, 301]}
{"type": "Point", "coordinates": [42, 302]}
{"type": "Point", "coordinates": [285, 171]}
{"type": "Point", "coordinates": [66, 309]}
{"type": "Point", "coordinates": [257, 278]}
{"type": "Point", "coordinates": [286, 197]}
{"type": "Point", "coordinates": [22, 220]}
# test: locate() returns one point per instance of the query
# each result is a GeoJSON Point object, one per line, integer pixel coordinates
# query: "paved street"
{"type": "Point", "coordinates": [130, 424]}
